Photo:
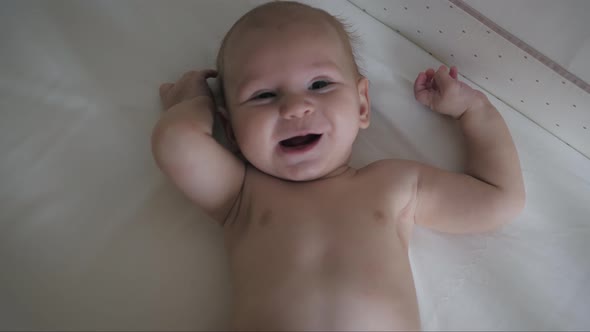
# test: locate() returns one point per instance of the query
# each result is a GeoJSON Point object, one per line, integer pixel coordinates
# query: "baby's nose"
{"type": "Point", "coordinates": [295, 107]}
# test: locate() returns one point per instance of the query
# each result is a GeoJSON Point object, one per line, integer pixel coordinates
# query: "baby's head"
{"type": "Point", "coordinates": [293, 93]}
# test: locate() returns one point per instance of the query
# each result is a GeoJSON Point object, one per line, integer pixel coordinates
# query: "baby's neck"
{"type": "Point", "coordinates": [340, 172]}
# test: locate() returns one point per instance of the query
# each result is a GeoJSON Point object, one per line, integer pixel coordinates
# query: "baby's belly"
{"type": "Point", "coordinates": [325, 305]}
{"type": "Point", "coordinates": [312, 281]}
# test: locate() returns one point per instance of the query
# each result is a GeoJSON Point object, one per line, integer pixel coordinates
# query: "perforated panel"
{"type": "Point", "coordinates": [456, 38]}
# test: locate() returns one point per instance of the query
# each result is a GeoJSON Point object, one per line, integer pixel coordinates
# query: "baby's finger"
{"type": "Point", "coordinates": [429, 77]}
{"type": "Point", "coordinates": [424, 97]}
{"type": "Point", "coordinates": [442, 78]}
{"type": "Point", "coordinates": [420, 82]}
{"type": "Point", "coordinates": [200, 75]}
{"type": "Point", "coordinates": [429, 73]}
{"type": "Point", "coordinates": [422, 92]}
{"type": "Point", "coordinates": [208, 73]}
{"type": "Point", "coordinates": [164, 88]}
{"type": "Point", "coordinates": [454, 71]}
{"type": "Point", "coordinates": [188, 76]}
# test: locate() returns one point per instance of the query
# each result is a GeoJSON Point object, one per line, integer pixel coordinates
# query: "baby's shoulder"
{"type": "Point", "coordinates": [393, 175]}
{"type": "Point", "coordinates": [395, 180]}
{"type": "Point", "coordinates": [393, 169]}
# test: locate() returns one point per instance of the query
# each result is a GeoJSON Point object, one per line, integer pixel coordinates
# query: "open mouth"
{"type": "Point", "coordinates": [300, 142]}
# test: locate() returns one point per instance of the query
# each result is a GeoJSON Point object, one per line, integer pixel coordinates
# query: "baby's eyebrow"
{"type": "Point", "coordinates": [246, 82]}
{"type": "Point", "coordinates": [326, 66]}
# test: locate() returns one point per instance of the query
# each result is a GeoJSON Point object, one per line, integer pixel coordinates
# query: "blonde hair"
{"type": "Point", "coordinates": [348, 36]}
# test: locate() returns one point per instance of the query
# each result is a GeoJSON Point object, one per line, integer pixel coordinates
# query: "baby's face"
{"type": "Point", "coordinates": [296, 101]}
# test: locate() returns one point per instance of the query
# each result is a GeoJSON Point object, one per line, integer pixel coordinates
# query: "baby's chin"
{"type": "Point", "coordinates": [300, 173]}
{"type": "Point", "coordinates": [300, 177]}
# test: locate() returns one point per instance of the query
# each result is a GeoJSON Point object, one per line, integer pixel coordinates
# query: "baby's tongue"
{"type": "Point", "coordinates": [299, 140]}
{"type": "Point", "coordinates": [296, 140]}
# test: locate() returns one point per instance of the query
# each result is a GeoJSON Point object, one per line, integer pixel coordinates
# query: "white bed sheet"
{"type": "Point", "coordinates": [92, 236]}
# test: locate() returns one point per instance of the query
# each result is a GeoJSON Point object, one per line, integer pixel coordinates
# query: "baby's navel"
{"type": "Point", "coordinates": [266, 218]}
{"type": "Point", "coordinates": [379, 217]}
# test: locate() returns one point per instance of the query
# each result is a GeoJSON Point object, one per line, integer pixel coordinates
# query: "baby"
{"type": "Point", "coordinates": [315, 244]}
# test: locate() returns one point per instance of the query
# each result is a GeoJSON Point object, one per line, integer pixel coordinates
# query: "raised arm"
{"type": "Point", "coordinates": [185, 150]}
{"type": "Point", "coordinates": [491, 191]}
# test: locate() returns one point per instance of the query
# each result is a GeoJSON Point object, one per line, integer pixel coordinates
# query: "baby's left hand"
{"type": "Point", "coordinates": [442, 92]}
{"type": "Point", "coordinates": [191, 85]}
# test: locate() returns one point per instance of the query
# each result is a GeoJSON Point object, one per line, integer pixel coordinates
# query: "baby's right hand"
{"type": "Point", "coordinates": [191, 85]}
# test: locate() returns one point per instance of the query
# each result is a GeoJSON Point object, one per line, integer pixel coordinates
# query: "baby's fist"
{"type": "Point", "coordinates": [191, 85]}
{"type": "Point", "coordinates": [442, 92]}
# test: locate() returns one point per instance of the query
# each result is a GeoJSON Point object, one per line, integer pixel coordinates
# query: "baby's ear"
{"type": "Point", "coordinates": [364, 102]}
{"type": "Point", "coordinates": [222, 111]}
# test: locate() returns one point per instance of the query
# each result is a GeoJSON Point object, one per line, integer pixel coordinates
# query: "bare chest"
{"type": "Point", "coordinates": [351, 224]}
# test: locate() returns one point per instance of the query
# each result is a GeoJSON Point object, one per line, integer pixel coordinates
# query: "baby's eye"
{"type": "Point", "coordinates": [265, 95]}
{"type": "Point", "coordinates": [319, 84]}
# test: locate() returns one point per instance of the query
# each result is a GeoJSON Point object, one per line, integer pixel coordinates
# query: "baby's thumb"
{"type": "Point", "coordinates": [443, 78]}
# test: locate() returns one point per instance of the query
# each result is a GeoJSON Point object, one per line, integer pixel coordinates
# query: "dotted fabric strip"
{"type": "Point", "coordinates": [532, 84]}
{"type": "Point", "coordinates": [522, 45]}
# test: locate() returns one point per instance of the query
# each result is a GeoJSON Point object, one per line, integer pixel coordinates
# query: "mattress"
{"type": "Point", "coordinates": [93, 236]}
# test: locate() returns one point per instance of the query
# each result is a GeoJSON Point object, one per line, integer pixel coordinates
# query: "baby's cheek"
{"type": "Point", "coordinates": [244, 138]}
{"type": "Point", "coordinates": [252, 135]}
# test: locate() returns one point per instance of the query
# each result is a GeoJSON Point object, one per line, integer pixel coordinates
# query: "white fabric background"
{"type": "Point", "coordinates": [92, 236]}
